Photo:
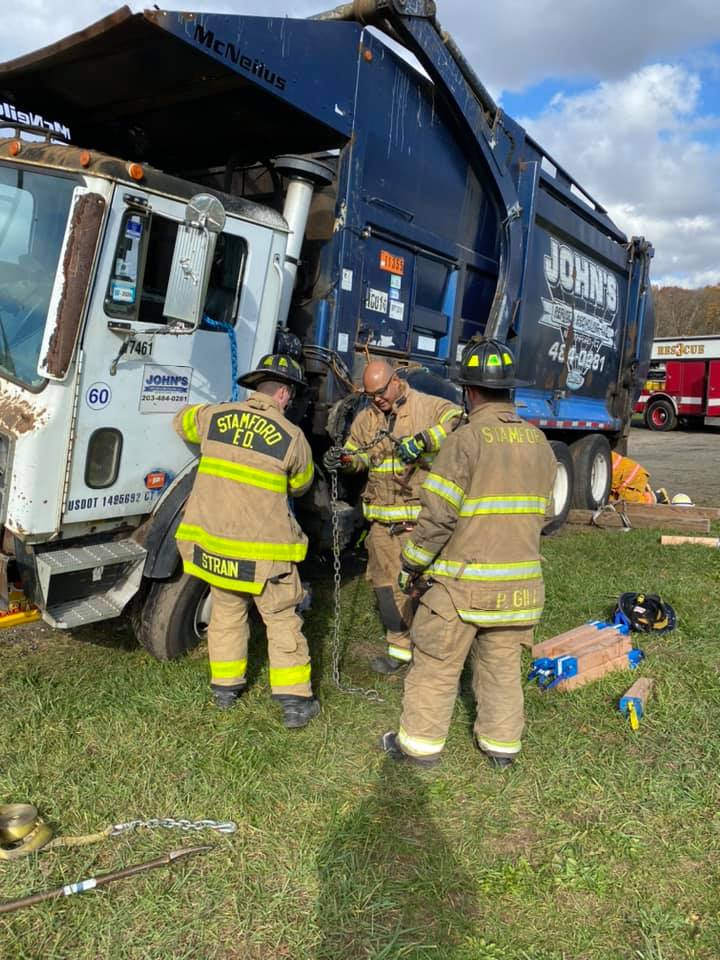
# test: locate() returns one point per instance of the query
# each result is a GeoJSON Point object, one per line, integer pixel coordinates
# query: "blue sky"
{"type": "Point", "coordinates": [625, 95]}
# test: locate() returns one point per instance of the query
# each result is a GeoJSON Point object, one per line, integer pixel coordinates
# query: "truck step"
{"type": "Point", "coordinates": [98, 555]}
{"type": "Point", "coordinates": [85, 584]}
{"type": "Point", "coordinates": [77, 613]}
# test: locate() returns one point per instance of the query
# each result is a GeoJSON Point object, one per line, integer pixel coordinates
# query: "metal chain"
{"type": "Point", "coordinates": [372, 695]}
{"type": "Point", "coordinates": [168, 823]}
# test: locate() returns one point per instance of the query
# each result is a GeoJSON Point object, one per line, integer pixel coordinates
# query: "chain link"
{"type": "Point", "coordinates": [168, 823]}
{"type": "Point", "coordinates": [372, 695]}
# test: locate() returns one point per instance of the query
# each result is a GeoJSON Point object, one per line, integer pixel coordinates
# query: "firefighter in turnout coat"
{"type": "Point", "coordinates": [478, 541]}
{"type": "Point", "coordinates": [396, 470]}
{"type": "Point", "coordinates": [239, 535]}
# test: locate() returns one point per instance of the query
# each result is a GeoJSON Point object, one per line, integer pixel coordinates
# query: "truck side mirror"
{"type": "Point", "coordinates": [72, 283]}
{"type": "Point", "coordinates": [192, 260]}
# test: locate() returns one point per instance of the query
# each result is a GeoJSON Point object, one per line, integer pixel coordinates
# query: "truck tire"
{"type": "Point", "coordinates": [592, 462]}
{"type": "Point", "coordinates": [173, 618]}
{"type": "Point", "coordinates": [563, 489]}
{"type": "Point", "coordinates": [660, 415]}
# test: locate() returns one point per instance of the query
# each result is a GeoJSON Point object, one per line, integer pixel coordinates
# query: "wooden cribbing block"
{"type": "Point", "coordinates": [611, 520]}
{"type": "Point", "coordinates": [565, 642]}
{"type": "Point", "coordinates": [701, 541]}
{"type": "Point", "coordinates": [666, 510]}
{"type": "Point", "coordinates": [594, 673]}
{"type": "Point", "coordinates": [637, 695]}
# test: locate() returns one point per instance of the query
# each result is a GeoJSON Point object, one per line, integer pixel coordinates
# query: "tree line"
{"type": "Point", "coordinates": [686, 313]}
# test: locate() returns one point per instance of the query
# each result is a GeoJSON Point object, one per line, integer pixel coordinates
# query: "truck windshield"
{"type": "Point", "coordinates": [34, 210]}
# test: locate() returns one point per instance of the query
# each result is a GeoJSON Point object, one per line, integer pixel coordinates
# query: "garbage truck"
{"type": "Point", "coordinates": [182, 193]}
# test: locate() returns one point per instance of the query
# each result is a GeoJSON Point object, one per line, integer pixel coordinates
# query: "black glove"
{"type": "Point", "coordinates": [410, 448]}
{"type": "Point", "coordinates": [336, 457]}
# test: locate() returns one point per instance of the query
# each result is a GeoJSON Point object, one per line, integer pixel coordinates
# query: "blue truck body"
{"type": "Point", "coordinates": [445, 219]}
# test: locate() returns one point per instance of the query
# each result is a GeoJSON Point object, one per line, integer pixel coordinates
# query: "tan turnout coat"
{"type": "Point", "coordinates": [392, 492]}
{"type": "Point", "coordinates": [238, 530]}
{"type": "Point", "coordinates": [483, 509]}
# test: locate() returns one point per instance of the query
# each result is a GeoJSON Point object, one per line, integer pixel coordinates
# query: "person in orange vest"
{"type": "Point", "coordinates": [631, 482]}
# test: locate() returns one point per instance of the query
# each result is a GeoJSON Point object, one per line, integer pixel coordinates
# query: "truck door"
{"type": "Point", "coordinates": [713, 394]}
{"type": "Point", "coordinates": [125, 451]}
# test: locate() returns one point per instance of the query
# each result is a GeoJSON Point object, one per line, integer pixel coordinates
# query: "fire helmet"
{"type": "Point", "coordinates": [274, 366]}
{"type": "Point", "coordinates": [682, 500]}
{"type": "Point", "coordinates": [645, 612]}
{"type": "Point", "coordinates": [487, 364]}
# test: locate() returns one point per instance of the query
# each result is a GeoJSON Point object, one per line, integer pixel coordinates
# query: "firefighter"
{"type": "Point", "coordinates": [239, 534]}
{"type": "Point", "coordinates": [477, 542]}
{"type": "Point", "coordinates": [631, 482]}
{"type": "Point", "coordinates": [395, 439]}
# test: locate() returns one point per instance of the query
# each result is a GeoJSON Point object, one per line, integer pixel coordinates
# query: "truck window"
{"type": "Point", "coordinates": [142, 261]}
{"type": "Point", "coordinates": [34, 210]}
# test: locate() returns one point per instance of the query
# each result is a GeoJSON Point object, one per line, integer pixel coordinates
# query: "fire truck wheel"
{"type": "Point", "coordinates": [174, 616]}
{"type": "Point", "coordinates": [563, 489]}
{"type": "Point", "coordinates": [660, 415]}
{"type": "Point", "coordinates": [593, 471]}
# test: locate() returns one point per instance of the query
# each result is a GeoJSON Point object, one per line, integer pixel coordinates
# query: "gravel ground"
{"type": "Point", "coordinates": [683, 461]}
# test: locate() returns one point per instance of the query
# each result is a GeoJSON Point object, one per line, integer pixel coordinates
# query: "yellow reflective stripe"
{"type": "Point", "coordinates": [451, 414]}
{"type": "Point", "coordinates": [389, 465]}
{"type": "Point", "coordinates": [228, 669]}
{"type": "Point", "coordinates": [481, 506]}
{"type": "Point", "coordinates": [417, 555]}
{"type": "Point", "coordinates": [528, 570]}
{"type": "Point", "coordinates": [267, 480]}
{"type": "Point", "coordinates": [189, 424]}
{"type": "Point", "coordinates": [419, 746]}
{"type": "Point", "coordinates": [390, 514]}
{"type": "Point", "coordinates": [289, 676]}
{"type": "Point", "coordinates": [437, 435]}
{"type": "Point", "coordinates": [399, 653]}
{"type": "Point", "coordinates": [300, 479]}
{"type": "Point", "coordinates": [500, 617]}
{"type": "Point", "coordinates": [239, 586]}
{"type": "Point", "coordinates": [240, 549]}
{"type": "Point", "coordinates": [444, 488]}
{"type": "Point", "coordinates": [499, 746]}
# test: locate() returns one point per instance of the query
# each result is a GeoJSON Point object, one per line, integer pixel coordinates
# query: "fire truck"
{"type": "Point", "coordinates": [683, 382]}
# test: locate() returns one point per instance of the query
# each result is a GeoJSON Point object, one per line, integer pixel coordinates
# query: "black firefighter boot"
{"type": "Point", "coordinates": [386, 664]}
{"type": "Point", "coordinates": [226, 697]}
{"type": "Point", "coordinates": [297, 711]}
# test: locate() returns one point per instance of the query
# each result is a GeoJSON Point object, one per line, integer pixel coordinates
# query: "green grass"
{"type": "Point", "coordinates": [600, 843]}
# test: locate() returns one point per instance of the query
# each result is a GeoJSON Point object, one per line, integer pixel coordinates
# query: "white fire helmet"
{"type": "Point", "coordinates": [681, 500]}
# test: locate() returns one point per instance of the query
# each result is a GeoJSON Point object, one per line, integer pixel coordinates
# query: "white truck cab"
{"type": "Point", "coordinates": [120, 301]}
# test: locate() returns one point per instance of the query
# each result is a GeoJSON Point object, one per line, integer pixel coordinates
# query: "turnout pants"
{"type": "Point", "coordinates": [228, 634]}
{"type": "Point", "coordinates": [442, 643]}
{"type": "Point", "coordinates": [396, 609]}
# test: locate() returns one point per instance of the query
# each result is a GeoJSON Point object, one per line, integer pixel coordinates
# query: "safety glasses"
{"type": "Point", "coordinates": [378, 394]}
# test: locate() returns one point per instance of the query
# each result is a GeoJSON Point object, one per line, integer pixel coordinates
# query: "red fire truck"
{"type": "Point", "coordinates": [683, 382]}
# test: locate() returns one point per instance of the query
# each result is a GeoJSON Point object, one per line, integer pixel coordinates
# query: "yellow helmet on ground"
{"type": "Point", "coordinates": [681, 500]}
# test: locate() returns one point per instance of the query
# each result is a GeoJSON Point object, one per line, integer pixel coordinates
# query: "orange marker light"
{"type": "Point", "coordinates": [367, 55]}
{"type": "Point", "coordinates": [85, 158]}
{"type": "Point", "coordinates": [135, 171]}
{"type": "Point", "coordinates": [15, 148]}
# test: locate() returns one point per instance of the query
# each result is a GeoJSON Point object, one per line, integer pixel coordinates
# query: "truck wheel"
{"type": "Point", "coordinates": [563, 488]}
{"type": "Point", "coordinates": [660, 415]}
{"type": "Point", "coordinates": [592, 461]}
{"type": "Point", "coordinates": [174, 617]}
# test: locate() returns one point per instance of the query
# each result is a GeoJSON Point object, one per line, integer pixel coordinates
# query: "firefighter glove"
{"type": "Point", "coordinates": [410, 448]}
{"type": "Point", "coordinates": [336, 457]}
{"type": "Point", "coordinates": [406, 580]}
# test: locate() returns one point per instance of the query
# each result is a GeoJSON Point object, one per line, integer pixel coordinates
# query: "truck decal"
{"type": "Point", "coordinates": [590, 329]}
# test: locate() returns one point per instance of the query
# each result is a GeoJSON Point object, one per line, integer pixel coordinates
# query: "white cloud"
{"type": "Point", "coordinates": [630, 144]}
{"type": "Point", "coordinates": [517, 43]}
